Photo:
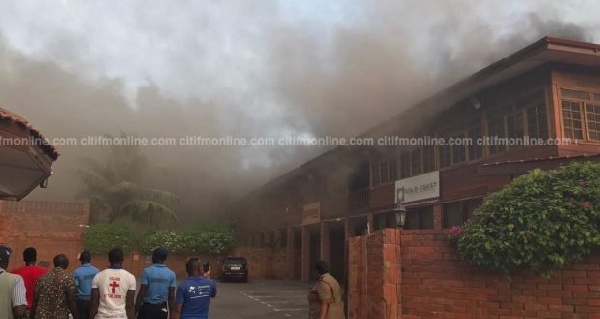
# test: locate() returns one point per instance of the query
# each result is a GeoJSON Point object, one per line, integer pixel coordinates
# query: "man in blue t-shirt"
{"type": "Point", "coordinates": [194, 294]}
{"type": "Point", "coordinates": [83, 280]}
{"type": "Point", "coordinates": [157, 289]}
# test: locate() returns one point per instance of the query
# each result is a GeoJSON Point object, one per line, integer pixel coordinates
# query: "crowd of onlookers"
{"type": "Point", "coordinates": [34, 292]}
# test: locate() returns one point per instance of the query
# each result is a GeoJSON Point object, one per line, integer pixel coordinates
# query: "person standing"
{"type": "Point", "coordinates": [54, 293]}
{"type": "Point", "coordinates": [13, 304]}
{"type": "Point", "coordinates": [30, 273]}
{"type": "Point", "coordinates": [113, 290]}
{"type": "Point", "coordinates": [156, 298]}
{"type": "Point", "coordinates": [194, 294]}
{"type": "Point", "coordinates": [83, 280]}
{"type": "Point", "coordinates": [325, 298]}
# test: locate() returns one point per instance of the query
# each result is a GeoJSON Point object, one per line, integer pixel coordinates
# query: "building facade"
{"type": "Point", "coordinates": [539, 107]}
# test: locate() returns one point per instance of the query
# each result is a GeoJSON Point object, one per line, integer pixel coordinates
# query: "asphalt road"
{"type": "Point", "coordinates": [259, 300]}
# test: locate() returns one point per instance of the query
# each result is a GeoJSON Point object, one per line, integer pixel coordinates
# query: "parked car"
{"type": "Point", "coordinates": [234, 268]}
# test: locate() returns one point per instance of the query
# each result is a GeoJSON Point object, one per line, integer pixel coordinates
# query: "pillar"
{"type": "Point", "coordinates": [437, 216]}
{"type": "Point", "coordinates": [325, 245]}
{"type": "Point", "coordinates": [290, 254]}
{"type": "Point", "coordinates": [305, 255]}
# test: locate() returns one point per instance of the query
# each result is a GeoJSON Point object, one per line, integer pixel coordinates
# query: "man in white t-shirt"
{"type": "Point", "coordinates": [113, 290]}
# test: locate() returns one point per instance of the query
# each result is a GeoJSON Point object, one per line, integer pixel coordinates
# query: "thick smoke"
{"type": "Point", "coordinates": [241, 69]}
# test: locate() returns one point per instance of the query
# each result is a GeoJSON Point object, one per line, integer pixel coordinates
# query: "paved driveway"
{"type": "Point", "coordinates": [260, 299]}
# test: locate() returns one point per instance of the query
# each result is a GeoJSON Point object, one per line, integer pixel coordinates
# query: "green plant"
{"type": "Point", "coordinates": [173, 241]}
{"type": "Point", "coordinates": [101, 238]}
{"type": "Point", "coordinates": [212, 242]}
{"type": "Point", "coordinates": [540, 221]}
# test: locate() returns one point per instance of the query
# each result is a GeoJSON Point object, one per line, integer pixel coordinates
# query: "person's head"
{"type": "Point", "coordinates": [29, 256]}
{"type": "Point", "coordinates": [159, 255]}
{"type": "Point", "coordinates": [5, 253]}
{"type": "Point", "coordinates": [115, 256]}
{"type": "Point", "coordinates": [61, 261]}
{"type": "Point", "coordinates": [192, 266]}
{"type": "Point", "coordinates": [85, 257]}
{"type": "Point", "coordinates": [321, 267]}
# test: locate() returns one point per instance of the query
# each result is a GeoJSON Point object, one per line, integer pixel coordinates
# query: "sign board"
{"type": "Point", "coordinates": [416, 188]}
{"type": "Point", "coordinates": [311, 213]}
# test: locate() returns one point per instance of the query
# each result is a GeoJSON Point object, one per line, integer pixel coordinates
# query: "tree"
{"type": "Point", "coordinates": [115, 187]}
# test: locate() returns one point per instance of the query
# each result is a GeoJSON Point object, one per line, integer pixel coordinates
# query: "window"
{"type": "Point", "coordinates": [495, 130]}
{"type": "Point", "coordinates": [458, 149]}
{"type": "Point", "coordinates": [592, 113]}
{"type": "Point", "coordinates": [573, 125]}
{"type": "Point", "coordinates": [383, 221]}
{"type": "Point", "coordinates": [455, 214]}
{"type": "Point", "coordinates": [384, 171]}
{"type": "Point", "coordinates": [445, 155]}
{"type": "Point", "coordinates": [283, 238]}
{"type": "Point", "coordinates": [415, 162]}
{"type": "Point", "coordinates": [475, 149]}
{"type": "Point", "coordinates": [525, 117]}
{"type": "Point", "coordinates": [421, 218]}
{"type": "Point", "coordinates": [428, 158]}
{"type": "Point", "coordinates": [581, 114]}
{"type": "Point", "coordinates": [405, 165]}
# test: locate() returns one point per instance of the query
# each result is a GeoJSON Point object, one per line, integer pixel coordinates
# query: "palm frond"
{"type": "Point", "coordinates": [159, 196]}
{"type": "Point", "coordinates": [140, 209]}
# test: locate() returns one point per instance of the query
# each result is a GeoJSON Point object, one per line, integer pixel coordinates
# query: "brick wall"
{"type": "Point", "coordinates": [52, 228]}
{"type": "Point", "coordinates": [264, 263]}
{"type": "Point", "coordinates": [433, 283]}
{"type": "Point", "coordinates": [374, 275]}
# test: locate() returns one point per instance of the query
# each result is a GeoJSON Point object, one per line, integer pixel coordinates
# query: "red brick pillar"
{"type": "Point", "coordinates": [290, 255]}
{"type": "Point", "coordinates": [437, 216]}
{"type": "Point", "coordinates": [305, 254]}
{"type": "Point", "coordinates": [325, 241]}
{"type": "Point", "coordinates": [348, 229]}
{"type": "Point", "coordinates": [374, 276]}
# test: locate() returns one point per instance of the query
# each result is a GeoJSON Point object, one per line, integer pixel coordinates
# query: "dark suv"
{"type": "Point", "coordinates": [235, 268]}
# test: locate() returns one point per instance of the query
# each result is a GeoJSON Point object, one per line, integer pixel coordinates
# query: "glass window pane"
{"type": "Point", "coordinates": [572, 94]}
{"type": "Point", "coordinates": [452, 215]}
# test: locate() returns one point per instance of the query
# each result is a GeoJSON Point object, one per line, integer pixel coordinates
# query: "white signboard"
{"type": "Point", "coordinates": [416, 188]}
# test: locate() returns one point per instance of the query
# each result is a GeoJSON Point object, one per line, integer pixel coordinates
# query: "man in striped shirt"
{"type": "Point", "coordinates": [12, 289]}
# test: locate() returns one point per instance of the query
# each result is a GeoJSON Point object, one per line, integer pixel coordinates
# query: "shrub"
{"type": "Point", "coordinates": [541, 221]}
{"type": "Point", "coordinates": [169, 239]}
{"type": "Point", "coordinates": [101, 238]}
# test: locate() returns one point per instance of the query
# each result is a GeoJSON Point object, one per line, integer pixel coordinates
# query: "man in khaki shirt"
{"type": "Point", "coordinates": [325, 299]}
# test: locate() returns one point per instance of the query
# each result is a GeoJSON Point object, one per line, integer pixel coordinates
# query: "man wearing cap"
{"type": "Point", "coordinates": [83, 279]}
{"type": "Point", "coordinates": [12, 289]}
{"type": "Point", "coordinates": [156, 298]}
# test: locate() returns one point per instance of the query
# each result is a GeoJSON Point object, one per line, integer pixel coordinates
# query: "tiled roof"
{"type": "Point", "coordinates": [35, 133]}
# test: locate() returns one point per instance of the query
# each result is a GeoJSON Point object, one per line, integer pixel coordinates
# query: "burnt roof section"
{"type": "Point", "coordinates": [48, 149]}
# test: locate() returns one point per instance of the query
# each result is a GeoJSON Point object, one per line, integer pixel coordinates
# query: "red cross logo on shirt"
{"type": "Point", "coordinates": [114, 286]}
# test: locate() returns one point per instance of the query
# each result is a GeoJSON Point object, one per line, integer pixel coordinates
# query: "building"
{"type": "Point", "coordinates": [539, 107]}
{"type": "Point", "coordinates": [25, 157]}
